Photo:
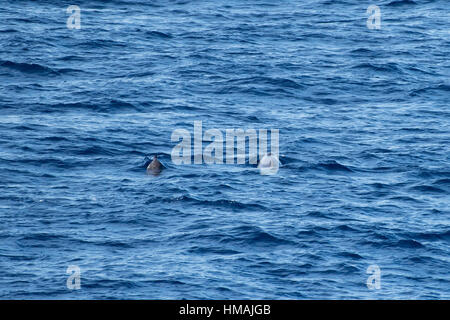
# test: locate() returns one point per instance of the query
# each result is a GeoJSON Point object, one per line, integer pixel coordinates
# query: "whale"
{"type": "Point", "coordinates": [155, 167]}
{"type": "Point", "coordinates": [269, 164]}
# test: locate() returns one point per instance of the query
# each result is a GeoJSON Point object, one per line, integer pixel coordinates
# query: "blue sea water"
{"type": "Point", "coordinates": [364, 124]}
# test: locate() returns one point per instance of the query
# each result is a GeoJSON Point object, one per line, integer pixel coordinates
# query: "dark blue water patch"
{"type": "Point", "coordinates": [258, 86]}
{"type": "Point", "coordinates": [18, 258]}
{"type": "Point", "coordinates": [364, 52]}
{"type": "Point", "coordinates": [387, 67]}
{"type": "Point", "coordinates": [333, 166]}
{"type": "Point", "coordinates": [220, 203]}
{"type": "Point", "coordinates": [8, 31]}
{"type": "Point", "coordinates": [31, 68]}
{"type": "Point", "coordinates": [254, 236]}
{"type": "Point", "coordinates": [101, 43]}
{"type": "Point", "coordinates": [434, 89]}
{"type": "Point", "coordinates": [350, 255]}
{"type": "Point", "coordinates": [112, 283]}
{"type": "Point", "coordinates": [406, 199]}
{"type": "Point", "coordinates": [158, 34]}
{"type": "Point", "coordinates": [104, 106]}
{"type": "Point", "coordinates": [400, 3]}
{"type": "Point", "coordinates": [409, 244]}
{"type": "Point", "coordinates": [214, 251]}
{"type": "Point", "coordinates": [427, 173]}
{"type": "Point", "coordinates": [442, 182]}
{"type": "Point", "coordinates": [428, 189]}
{"type": "Point", "coordinates": [432, 236]}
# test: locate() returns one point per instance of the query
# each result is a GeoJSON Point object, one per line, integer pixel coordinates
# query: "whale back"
{"type": "Point", "coordinates": [269, 164]}
{"type": "Point", "coordinates": [155, 166]}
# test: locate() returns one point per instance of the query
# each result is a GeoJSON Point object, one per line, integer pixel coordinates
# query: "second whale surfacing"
{"type": "Point", "coordinates": [269, 164]}
{"type": "Point", "coordinates": [155, 167]}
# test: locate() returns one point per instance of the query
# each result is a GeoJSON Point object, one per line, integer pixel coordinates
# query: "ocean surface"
{"type": "Point", "coordinates": [364, 124]}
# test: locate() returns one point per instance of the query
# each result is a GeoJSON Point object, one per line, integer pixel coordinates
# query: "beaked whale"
{"type": "Point", "coordinates": [155, 167]}
{"type": "Point", "coordinates": [269, 164]}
